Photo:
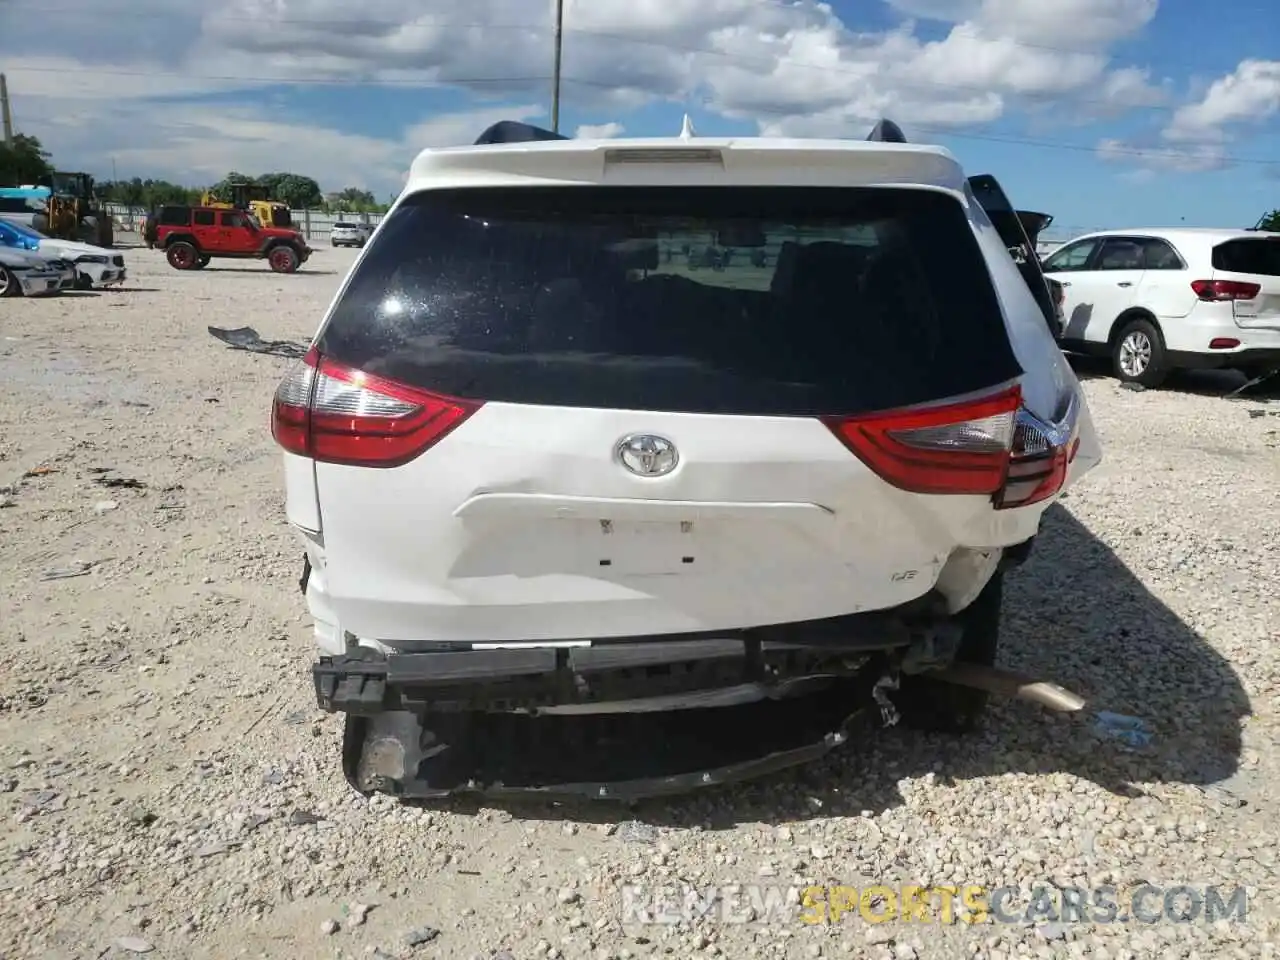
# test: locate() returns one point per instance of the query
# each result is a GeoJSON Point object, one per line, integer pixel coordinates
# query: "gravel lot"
{"type": "Point", "coordinates": [169, 786]}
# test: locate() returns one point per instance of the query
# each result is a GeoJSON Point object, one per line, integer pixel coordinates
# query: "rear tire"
{"type": "Point", "coordinates": [283, 259]}
{"type": "Point", "coordinates": [1138, 354]}
{"type": "Point", "coordinates": [83, 282]}
{"type": "Point", "coordinates": [937, 707]}
{"type": "Point", "coordinates": [203, 262]}
{"type": "Point", "coordinates": [9, 286]}
{"type": "Point", "coordinates": [182, 255]}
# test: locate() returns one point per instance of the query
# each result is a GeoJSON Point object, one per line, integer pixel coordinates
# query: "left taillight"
{"type": "Point", "coordinates": [992, 446]}
{"type": "Point", "coordinates": [336, 414]}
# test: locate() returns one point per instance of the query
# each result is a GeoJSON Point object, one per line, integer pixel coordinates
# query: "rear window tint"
{"type": "Point", "coordinates": [821, 300]}
{"type": "Point", "coordinates": [1261, 256]}
{"type": "Point", "coordinates": [344, 226]}
{"type": "Point", "coordinates": [175, 216]}
{"type": "Point", "coordinates": [17, 205]}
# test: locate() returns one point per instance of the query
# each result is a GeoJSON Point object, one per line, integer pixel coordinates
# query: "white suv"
{"type": "Point", "coordinates": [347, 234]}
{"type": "Point", "coordinates": [540, 465]}
{"type": "Point", "coordinates": [1162, 300]}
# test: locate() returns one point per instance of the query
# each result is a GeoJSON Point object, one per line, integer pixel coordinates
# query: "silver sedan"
{"type": "Point", "coordinates": [26, 274]}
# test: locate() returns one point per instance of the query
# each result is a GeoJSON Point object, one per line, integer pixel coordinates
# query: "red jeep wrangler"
{"type": "Point", "coordinates": [192, 236]}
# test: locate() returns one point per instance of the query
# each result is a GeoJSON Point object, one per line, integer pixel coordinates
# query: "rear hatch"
{"type": "Point", "coordinates": [611, 400]}
{"type": "Point", "coordinates": [1013, 227]}
{"type": "Point", "coordinates": [1253, 264]}
{"type": "Point", "coordinates": [1034, 224]}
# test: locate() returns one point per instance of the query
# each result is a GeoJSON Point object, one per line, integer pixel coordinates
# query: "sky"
{"type": "Point", "coordinates": [1104, 113]}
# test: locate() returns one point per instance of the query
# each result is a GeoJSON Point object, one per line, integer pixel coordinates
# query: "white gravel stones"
{"type": "Point", "coordinates": [162, 761]}
{"type": "Point", "coordinates": [134, 945]}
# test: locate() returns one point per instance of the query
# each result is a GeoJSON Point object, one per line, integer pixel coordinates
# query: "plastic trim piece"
{"type": "Point", "coordinates": [886, 131]}
{"type": "Point", "coordinates": [513, 131]}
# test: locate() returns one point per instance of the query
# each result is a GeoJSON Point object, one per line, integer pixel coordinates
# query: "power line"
{"type": "Point", "coordinates": [530, 81]}
{"type": "Point", "coordinates": [898, 82]}
{"type": "Point", "coordinates": [445, 21]}
{"type": "Point", "coordinates": [288, 81]}
{"type": "Point", "coordinates": [465, 81]}
{"type": "Point", "coordinates": [1151, 154]}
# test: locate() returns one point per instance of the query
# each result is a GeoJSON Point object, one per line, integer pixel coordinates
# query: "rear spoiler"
{"type": "Point", "coordinates": [886, 131]}
{"type": "Point", "coordinates": [1034, 224]}
{"type": "Point", "coordinates": [516, 131]}
{"type": "Point", "coordinates": [513, 131]}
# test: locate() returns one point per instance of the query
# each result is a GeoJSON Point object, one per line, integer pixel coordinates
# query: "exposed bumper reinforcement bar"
{"type": "Point", "coordinates": [625, 720]}
{"type": "Point", "coordinates": [620, 757]}
{"type": "Point", "coordinates": [608, 678]}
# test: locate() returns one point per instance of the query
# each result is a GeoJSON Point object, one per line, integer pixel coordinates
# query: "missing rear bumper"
{"type": "Point", "coordinates": [643, 717]}
{"type": "Point", "coordinates": [614, 674]}
{"type": "Point", "coordinates": [621, 757]}
{"type": "Point", "coordinates": [616, 719]}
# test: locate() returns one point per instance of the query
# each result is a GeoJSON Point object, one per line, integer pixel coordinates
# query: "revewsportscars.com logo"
{"type": "Point", "coordinates": [913, 903]}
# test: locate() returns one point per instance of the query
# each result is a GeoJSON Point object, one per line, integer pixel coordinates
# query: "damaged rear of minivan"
{"type": "Point", "coordinates": [590, 466]}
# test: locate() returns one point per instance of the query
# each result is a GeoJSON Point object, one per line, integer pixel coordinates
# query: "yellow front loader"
{"type": "Point", "coordinates": [256, 199]}
{"type": "Point", "coordinates": [73, 210]}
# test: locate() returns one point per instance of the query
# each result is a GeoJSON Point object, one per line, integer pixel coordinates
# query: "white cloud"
{"type": "Point", "coordinates": [600, 131]}
{"type": "Point", "coordinates": [792, 66]}
{"type": "Point", "coordinates": [1073, 24]}
{"type": "Point", "coordinates": [1200, 134]}
{"type": "Point", "coordinates": [1197, 158]}
{"type": "Point", "coordinates": [1249, 95]}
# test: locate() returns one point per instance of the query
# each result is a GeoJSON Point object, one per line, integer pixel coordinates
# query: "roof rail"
{"type": "Point", "coordinates": [886, 131]}
{"type": "Point", "coordinates": [513, 131]}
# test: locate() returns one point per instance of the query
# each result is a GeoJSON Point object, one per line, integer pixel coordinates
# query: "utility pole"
{"type": "Point", "coordinates": [4, 111]}
{"type": "Point", "coordinates": [555, 93]}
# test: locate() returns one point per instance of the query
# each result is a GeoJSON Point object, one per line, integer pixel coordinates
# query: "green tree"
{"type": "Point", "coordinates": [23, 160]}
{"type": "Point", "coordinates": [222, 189]}
{"type": "Point", "coordinates": [272, 182]}
{"type": "Point", "coordinates": [297, 191]}
{"type": "Point", "coordinates": [146, 194]}
{"type": "Point", "coordinates": [1270, 222]}
{"type": "Point", "coordinates": [354, 200]}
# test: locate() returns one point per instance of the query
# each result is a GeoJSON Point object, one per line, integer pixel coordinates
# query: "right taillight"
{"type": "Point", "coordinates": [1039, 457]}
{"type": "Point", "coordinates": [991, 446]}
{"type": "Point", "coordinates": [1225, 289]}
{"type": "Point", "coordinates": [336, 414]}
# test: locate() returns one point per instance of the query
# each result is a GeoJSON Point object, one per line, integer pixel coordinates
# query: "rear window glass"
{"type": "Point", "coordinates": [344, 226]}
{"type": "Point", "coordinates": [175, 216]}
{"type": "Point", "coordinates": [820, 300]}
{"type": "Point", "coordinates": [17, 205]}
{"type": "Point", "coordinates": [1259, 256]}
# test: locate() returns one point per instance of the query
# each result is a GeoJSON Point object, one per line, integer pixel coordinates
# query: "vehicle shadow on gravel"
{"type": "Point", "coordinates": [1075, 615]}
{"type": "Point", "coordinates": [1203, 383]}
{"type": "Point", "coordinates": [1087, 367]}
{"type": "Point", "coordinates": [267, 272]}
